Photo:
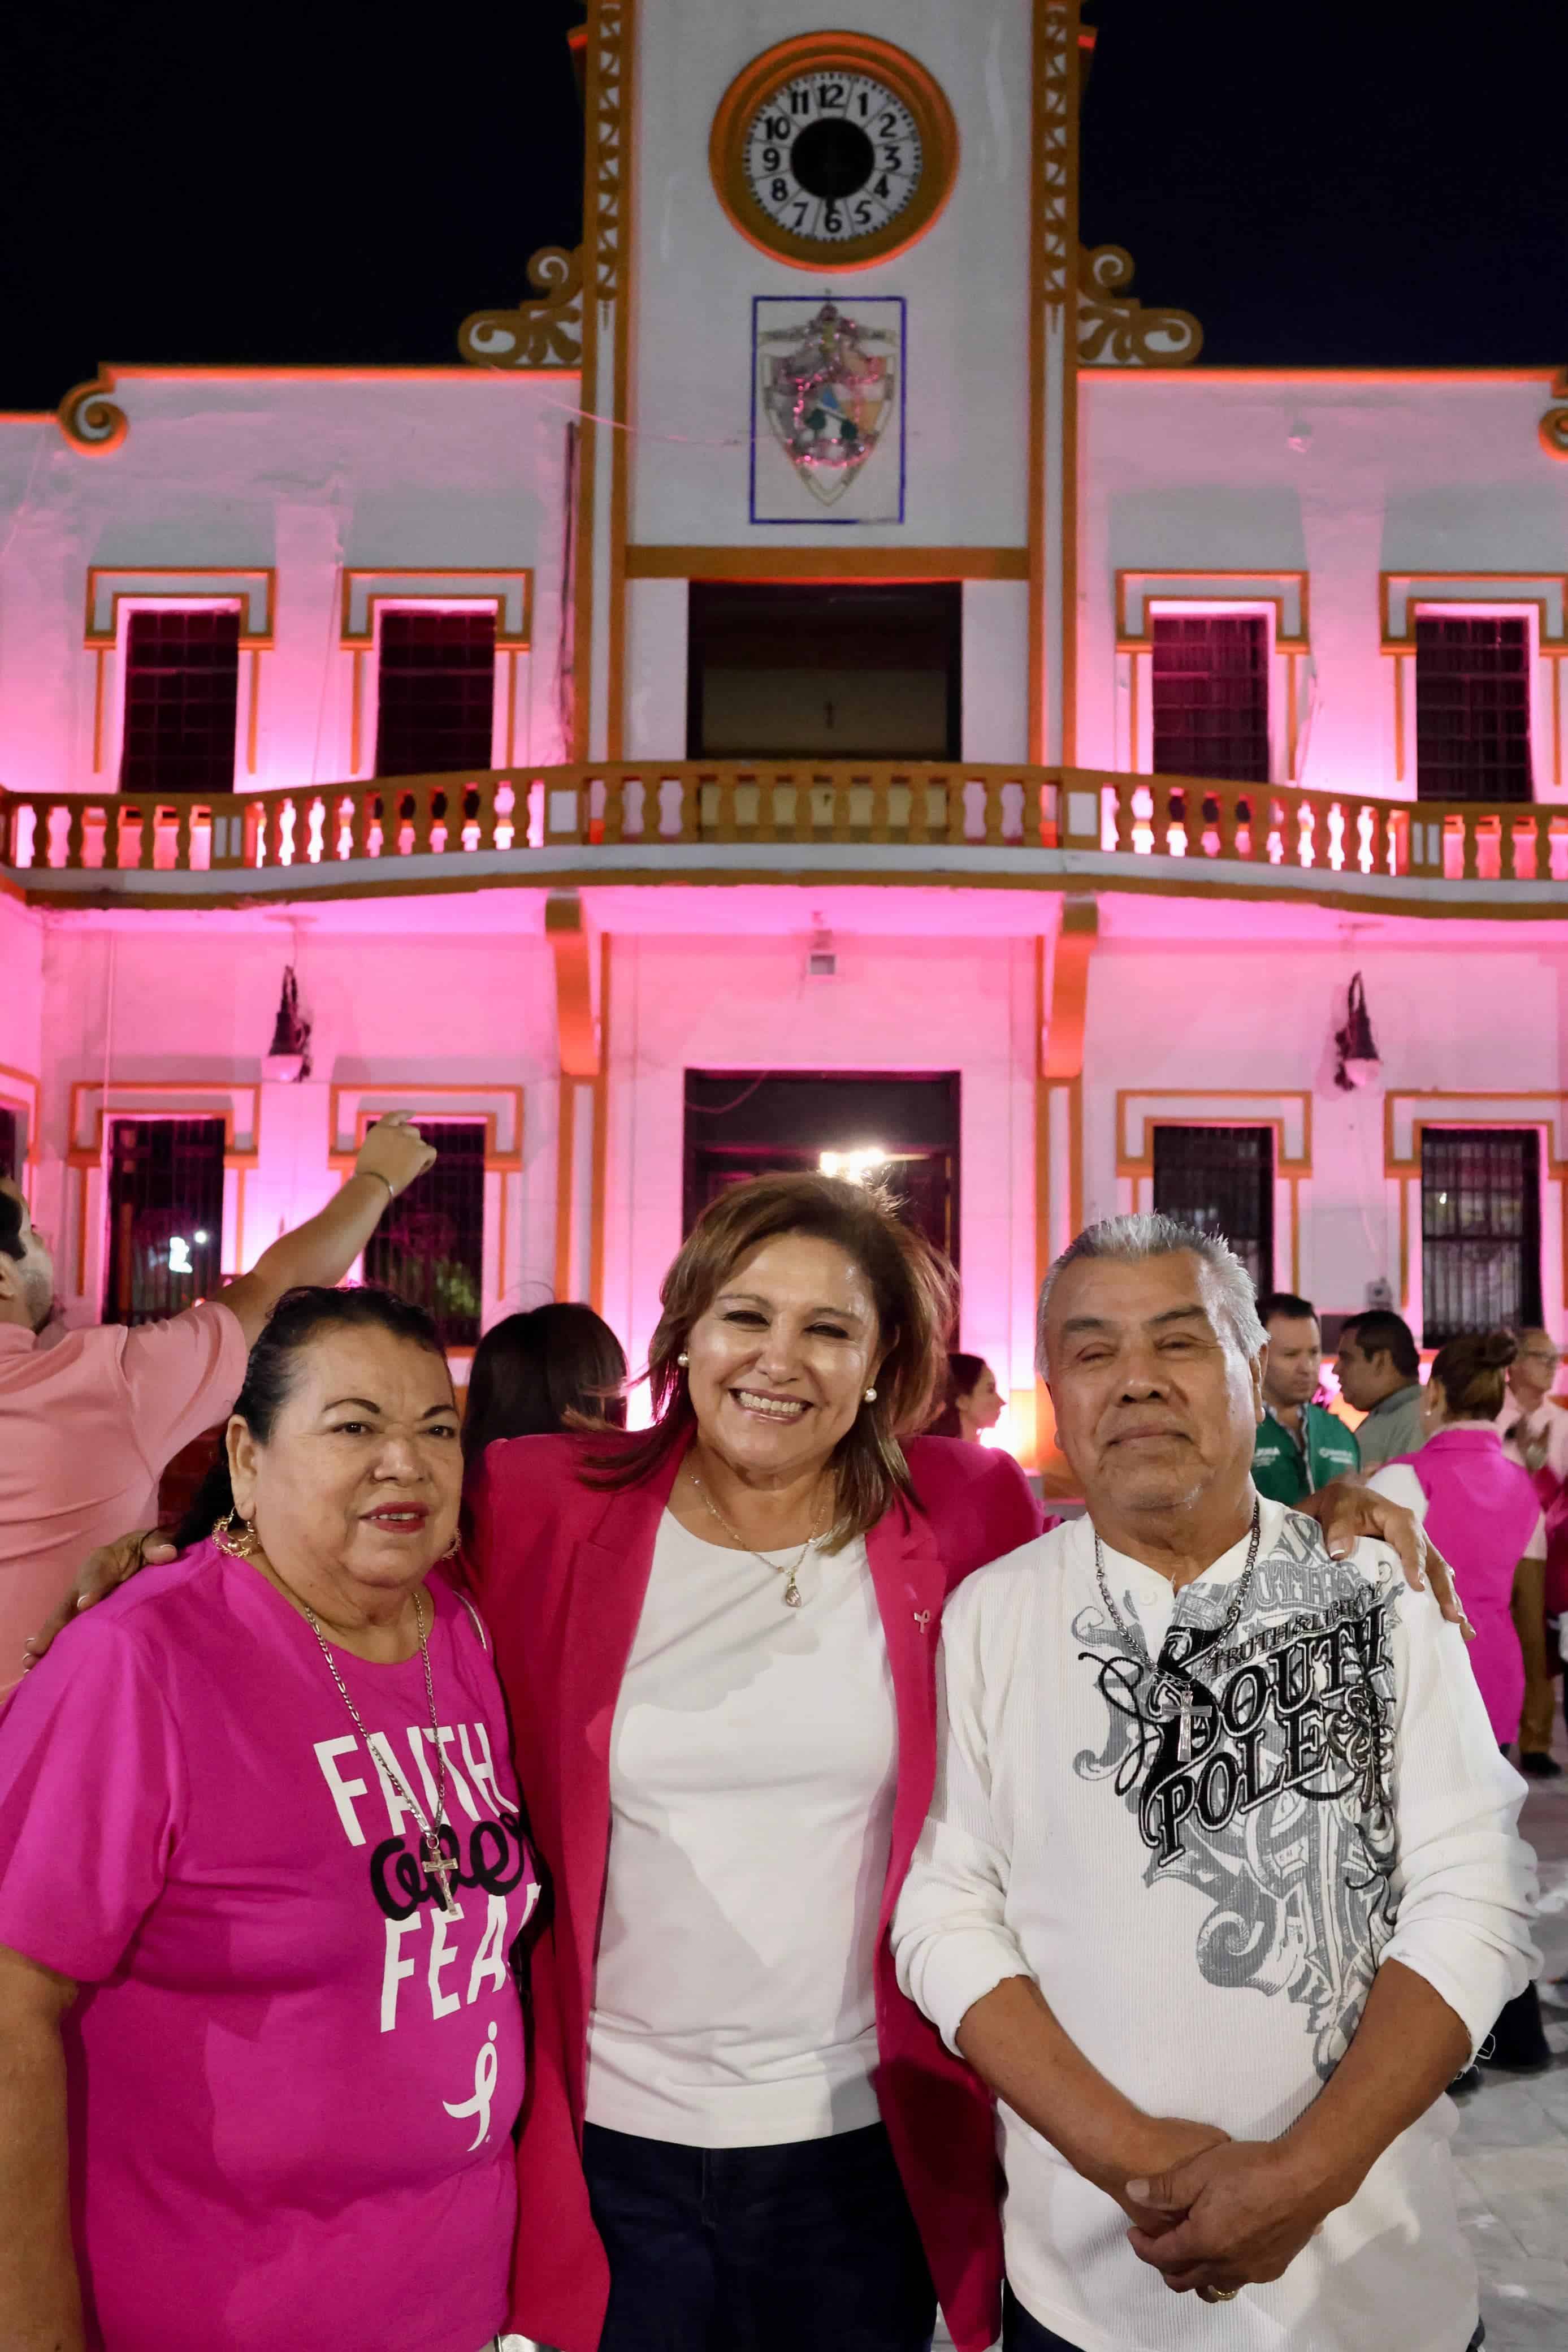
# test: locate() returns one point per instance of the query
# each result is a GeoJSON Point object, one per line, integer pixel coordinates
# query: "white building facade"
{"type": "Point", "coordinates": [829, 670]}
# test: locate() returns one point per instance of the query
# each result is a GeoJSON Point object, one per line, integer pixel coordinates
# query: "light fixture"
{"type": "Point", "coordinates": [855, 1167]}
{"type": "Point", "coordinates": [1358, 1059]}
{"type": "Point", "coordinates": [180, 1254]}
{"type": "Point", "coordinates": [288, 1059]}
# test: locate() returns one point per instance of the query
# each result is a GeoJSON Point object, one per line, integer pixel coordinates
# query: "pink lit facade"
{"type": "Point", "coordinates": [547, 939]}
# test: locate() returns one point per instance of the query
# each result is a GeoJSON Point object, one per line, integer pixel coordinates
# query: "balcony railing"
{"type": "Point", "coordinates": [637, 819]}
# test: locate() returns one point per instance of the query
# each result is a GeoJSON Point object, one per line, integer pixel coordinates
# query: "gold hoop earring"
{"type": "Point", "coordinates": [236, 1535]}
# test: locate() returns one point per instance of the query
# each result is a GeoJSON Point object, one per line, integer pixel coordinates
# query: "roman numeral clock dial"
{"type": "Point", "coordinates": [833, 150]}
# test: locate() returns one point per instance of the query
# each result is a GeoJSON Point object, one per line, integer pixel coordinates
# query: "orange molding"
{"type": "Point", "coordinates": [237, 1104]}
{"type": "Point", "coordinates": [510, 593]}
{"type": "Point", "coordinates": [1407, 1113]}
{"type": "Point", "coordinates": [353, 1110]}
{"type": "Point", "coordinates": [1287, 591]}
{"type": "Point", "coordinates": [578, 1033]}
{"type": "Point", "coordinates": [1286, 1110]}
{"type": "Point", "coordinates": [110, 585]}
{"type": "Point", "coordinates": [1061, 1042]}
{"type": "Point", "coordinates": [827, 564]}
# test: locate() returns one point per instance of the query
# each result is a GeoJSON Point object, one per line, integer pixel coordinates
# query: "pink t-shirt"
{"type": "Point", "coordinates": [292, 2078]}
{"type": "Point", "coordinates": [86, 1428]}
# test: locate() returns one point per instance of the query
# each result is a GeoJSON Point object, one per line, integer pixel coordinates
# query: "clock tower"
{"type": "Point", "coordinates": [831, 316]}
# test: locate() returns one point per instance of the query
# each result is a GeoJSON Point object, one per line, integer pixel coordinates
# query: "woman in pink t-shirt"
{"type": "Point", "coordinates": [264, 1873]}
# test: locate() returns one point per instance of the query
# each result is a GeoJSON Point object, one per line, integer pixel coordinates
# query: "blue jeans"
{"type": "Point", "coordinates": [758, 2249]}
{"type": "Point", "coordinates": [1022, 2334]}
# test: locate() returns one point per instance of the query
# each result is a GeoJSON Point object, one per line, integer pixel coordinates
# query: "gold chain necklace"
{"type": "Point", "coordinates": [792, 1595]}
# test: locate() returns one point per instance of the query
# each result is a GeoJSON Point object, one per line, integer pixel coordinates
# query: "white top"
{"type": "Point", "coordinates": [1397, 1483]}
{"type": "Point", "coordinates": [752, 1767]}
{"type": "Point", "coordinates": [1207, 1929]}
{"type": "Point", "coordinates": [1551, 1421]}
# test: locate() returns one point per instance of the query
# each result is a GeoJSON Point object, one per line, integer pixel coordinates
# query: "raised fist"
{"type": "Point", "coordinates": [396, 1153]}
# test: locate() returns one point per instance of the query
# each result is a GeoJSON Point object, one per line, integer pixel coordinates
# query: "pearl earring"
{"type": "Point", "coordinates": [871, 1396]}
{"type": "Point", "coordinates": [682, 1358]}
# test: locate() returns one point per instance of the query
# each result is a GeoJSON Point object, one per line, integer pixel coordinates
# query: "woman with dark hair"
{"type": "Point", "coordinates": [1483, 1513]}
{"type": "Point", "coordinates": [558, 1367]}
{"type": "Point", "coordinates": [729, 1621]}
{"type": "Point", "coordinates": [258, 1809]}
{"type": "Point", "coordinates": [973, 1402]}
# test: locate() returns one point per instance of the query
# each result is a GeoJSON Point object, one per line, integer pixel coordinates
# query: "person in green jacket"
{"type": "Point", "coordinates": [1300, 1447]}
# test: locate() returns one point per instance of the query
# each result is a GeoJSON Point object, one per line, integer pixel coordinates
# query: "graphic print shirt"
{"type": "Point", "coordinates": [1203, 1874]}
{"type": "Point", "coordinates": [293, 2077]}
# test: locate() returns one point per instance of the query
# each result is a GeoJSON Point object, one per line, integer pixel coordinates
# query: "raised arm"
{"type": "Point", "coordinates": [323, 1249]}
{"type": "Point", "coordinates": [40, 2300]}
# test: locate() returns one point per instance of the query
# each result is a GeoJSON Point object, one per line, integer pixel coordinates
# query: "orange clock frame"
{"type": "Point", "coordinates": [828, 53]}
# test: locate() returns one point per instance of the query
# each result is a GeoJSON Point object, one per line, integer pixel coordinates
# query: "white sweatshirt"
{"type": "Point", "coordinates": [1204, 1899]}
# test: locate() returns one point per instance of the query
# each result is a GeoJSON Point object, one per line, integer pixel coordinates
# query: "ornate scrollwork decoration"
{"type": "Point", "coordinates": [543, 334]}
{"type": "Point", "coordinates": [1553, 426]}
{"type": "Point", "coordinates": [1115, 330]}
{"type": "Point", "coordinates": [90, 419]}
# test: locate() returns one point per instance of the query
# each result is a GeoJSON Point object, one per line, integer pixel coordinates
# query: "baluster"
{"type": "Point", "coordinates": [360, 824]}
{"type": "Point", "coordinates": [74, 834]}
{"type": "Point", "coordinates": [840, 806]}
{"type": "Point", "coordinates": [615, 804]}
{"type": "Point", "coordinates": [183, 837]}
{"type": "Point", "coordinates": [1229, 803]}
{"type": "Point", "coordinates": [725, 828]}
{"type": "Point", "coordinates": [991, 787]}
{"type": "Point", "coordinates": [881, 783]}
{"type": "Point", "coordinates": [1470, 867]}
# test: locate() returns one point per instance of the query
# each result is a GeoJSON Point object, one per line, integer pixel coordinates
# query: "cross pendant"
{"type": "Point", "coordinates": [439, 1865]}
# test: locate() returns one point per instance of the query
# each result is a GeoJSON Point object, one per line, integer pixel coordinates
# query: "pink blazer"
{"type": "Point", "coordinates": [561, 1571]}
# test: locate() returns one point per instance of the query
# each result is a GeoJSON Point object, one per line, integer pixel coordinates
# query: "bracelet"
{"type": "Point", "coordinates": [380, 1179]}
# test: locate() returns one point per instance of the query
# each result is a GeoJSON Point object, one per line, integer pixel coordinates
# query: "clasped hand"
{"type": "Point", "coordinates": [1235, 2213]}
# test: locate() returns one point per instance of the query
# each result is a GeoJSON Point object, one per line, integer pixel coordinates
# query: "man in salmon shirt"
{"type": "Point", "coordinates": [88, 1424]}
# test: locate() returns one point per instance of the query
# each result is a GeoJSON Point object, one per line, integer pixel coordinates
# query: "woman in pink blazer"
{"type": "Point", "coordinates": [718, 1639]}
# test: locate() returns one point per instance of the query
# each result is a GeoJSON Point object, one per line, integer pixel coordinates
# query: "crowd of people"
{"type": "Point", "coordinates": [745, 1880]}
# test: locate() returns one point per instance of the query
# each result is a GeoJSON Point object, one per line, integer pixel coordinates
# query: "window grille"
{"type": "Point", "coordinates": [165, 1216]}
{"type": "Point", "coordinates": [10, 1146]}
{"type": "Point", "coordinates": [430, 1245]}
{"type": "Point", "coordinates": [1221, 1179]}
{"type": "Point", "coordinates": [1211, 696]}
{"type": "Point", "coordinates": [182, 690]}
{"type": "Point", "coordinates": [1481, 1230]}
{"type": "Point", "coordinates": [1472, 711]}
{"type": "Point", "coordinates": [438, 693]}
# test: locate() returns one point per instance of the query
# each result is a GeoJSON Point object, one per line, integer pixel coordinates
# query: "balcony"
{"type": "Point", "coordinates": [653, 821]}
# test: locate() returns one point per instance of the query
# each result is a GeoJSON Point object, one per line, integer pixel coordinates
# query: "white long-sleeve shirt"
{"type": "Point", "coordinates": [1205, 1898]}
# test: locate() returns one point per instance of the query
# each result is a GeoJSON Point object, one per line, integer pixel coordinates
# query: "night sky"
{"type": "Point", "coordinates": [1377, 183]}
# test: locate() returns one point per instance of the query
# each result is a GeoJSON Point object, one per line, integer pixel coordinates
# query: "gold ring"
{"type": "Point", "coordinates": [1221, 2293]}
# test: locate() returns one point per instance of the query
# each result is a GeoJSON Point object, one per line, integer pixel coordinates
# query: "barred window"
{"type": "Point", "coordinates": [1211, 696]}
{"type": "Point", "coordinates": [430, 1245]}
{"type": "Point", "coordinates": [1481, 1230]}
{"type": "Point", "coordinates": [182, 691]}
{"type": "Point", "coordinates": [438, 693]}
{"type": "Point", "coordinates": [165, 1216]}
{"type": "Point", "coordinates": [10, 1145]}
{"type": "Point", "coordinates": [1221, 1179]}
{"type": "Point", "coordinates": [1472, 711]}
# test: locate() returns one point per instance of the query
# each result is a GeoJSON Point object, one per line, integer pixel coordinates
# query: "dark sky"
{"type": "Point", "coordinates": [1374, 182]}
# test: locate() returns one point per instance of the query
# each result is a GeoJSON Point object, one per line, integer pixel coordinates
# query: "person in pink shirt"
{"type": "Point", "coordinates": [88, 1424]}
{"type": "Point", "coordinates": [263, 1872]}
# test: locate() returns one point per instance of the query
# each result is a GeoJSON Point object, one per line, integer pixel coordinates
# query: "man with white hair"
{"type": "Point", "coordinates": [1220, 1884]}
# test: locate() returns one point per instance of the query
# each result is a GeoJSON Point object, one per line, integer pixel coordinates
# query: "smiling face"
{"type": "Point", "coordinates": [356, 1491]}
{"type": "Point", "coordinates": [780, 1358]}
{"type": "Point", "coordinates": [1156, 1403]}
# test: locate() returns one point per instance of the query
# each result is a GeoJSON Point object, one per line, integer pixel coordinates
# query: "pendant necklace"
{"type": "Point", "coordinates": [792, 1595]}
{"type": "Point", "coordinates": [1170, 1683]}
{"type": "Point", "coordinates": [439, 1865]}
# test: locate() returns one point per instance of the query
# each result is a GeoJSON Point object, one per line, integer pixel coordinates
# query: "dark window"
{"type": "Point", "coordinates": [1211, 696]}
{"type": "Point", "coordinates": [182, 688]}
{"type": "Point", "coordinates": [437, 707]}
{"type": "Point", "coordinates": [1472, 711]}
{"type": "Point", "coordinates": [824, 671]}
{"type": "Point", "coordinates": [10, 1145]}
{"type": "Point", "coordinates": [1481, 1230]}
{"type": "Point", "coordinates": [430, 1245]}
{"type": "Point", "coordinates": [1221, 1179]}
{"type": "Point", "coordinates": [165, 1216]}
{"type": "Point", "coordinates": [751, 1123]}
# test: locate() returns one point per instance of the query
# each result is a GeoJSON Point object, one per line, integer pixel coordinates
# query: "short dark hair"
{"type": "Point", "coordinates": [1380, 1332]}
{"type": "Point", "coordinates": [1285, 1303]}
{"type": "Point", "coordinates": [11, 1225]}
{"type": "Point", "coordinates": [558, 1367]}
{"type": "Point", "coordinates": [297, 1319]}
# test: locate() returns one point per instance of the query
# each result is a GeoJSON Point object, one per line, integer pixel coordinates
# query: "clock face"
{"type": "Point", "coordinates": [833, 150]}
{"type": "Point", "coordinates": [833, 156]}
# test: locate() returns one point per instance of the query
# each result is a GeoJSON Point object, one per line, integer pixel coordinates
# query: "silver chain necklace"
{"type": "Point", "coordinates": [792, 1595]}
{"type": "Point", "coordinates": [1169, 1680]}
{"type": "Point", "coordinates": [439, 1865]}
